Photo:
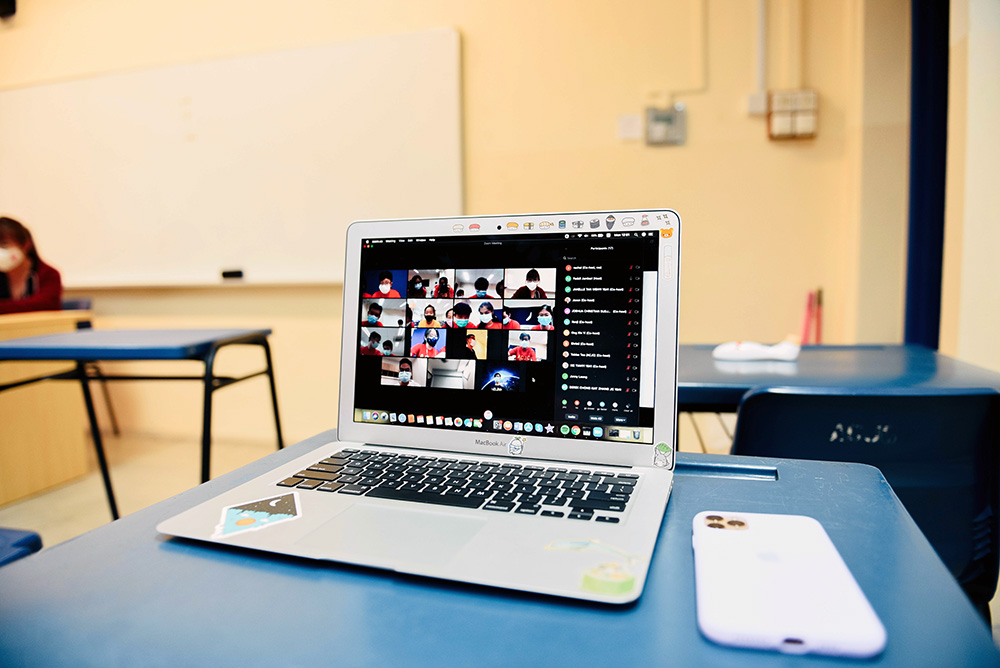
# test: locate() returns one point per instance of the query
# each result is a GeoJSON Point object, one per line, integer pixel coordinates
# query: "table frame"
{"type": "Point", "coordinates": [85, 371]}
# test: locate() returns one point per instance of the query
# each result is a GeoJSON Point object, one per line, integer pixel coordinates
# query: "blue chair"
{"type": "Point", "coordinates": [15, 544]}
{"type": "Point", "coordinates": [93, 368]}
{"type": "Point", "coordinates": [937, 449]}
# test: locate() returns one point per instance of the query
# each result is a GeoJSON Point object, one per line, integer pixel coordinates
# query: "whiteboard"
{"type": "Point", "coordinates": [170, 176]}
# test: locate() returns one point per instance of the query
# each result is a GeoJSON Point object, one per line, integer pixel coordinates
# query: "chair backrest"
{"type": "Point", "coordinates": [937, 449]}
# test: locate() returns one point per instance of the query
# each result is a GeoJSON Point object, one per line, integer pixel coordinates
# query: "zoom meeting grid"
{"type": "Point", "coordinates": [526, 333]}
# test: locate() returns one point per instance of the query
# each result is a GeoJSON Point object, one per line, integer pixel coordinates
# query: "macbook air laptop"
{"type": "Point", "coordinates": [508, 408]}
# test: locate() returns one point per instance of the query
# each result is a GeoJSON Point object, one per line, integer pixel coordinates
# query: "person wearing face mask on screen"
{"type": "Point", "coordinates": [405, 372]}
{"type": "Point", "coordinates": [530, 289]}
{"type": "Point", "coordinates": [544, 318]}
{"type": "Point", "coordinates": [463, 313]}
{"type": "Point", "coordinates": [26, 283]}
{"type": "Point", "coordinates": [374, 339]}
{"type": "Point", "coordinates": [429, 346]}
{"type": "Point", "coordinates": [482, 286]}
{"type": "Point", "coordinates": [415, 288]}
{"type": "Point", "coordinates": [486, 320]}
{"type": "Point", "coordinates": [374, 313]}
{"type": "Point", "coordinates": [430, 317]}
{"type": "Point", "coordinates": [384, 287]}
{"type": "Point", "coordinates": [523, 352]}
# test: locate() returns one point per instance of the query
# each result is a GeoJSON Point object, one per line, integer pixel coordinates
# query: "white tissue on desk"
{"type": "Point", "coordinates": [746, 351]}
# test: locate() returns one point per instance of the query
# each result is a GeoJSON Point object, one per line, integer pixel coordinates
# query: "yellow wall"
{"type": "Point", "coordinates": [970, 326]}
{"type": "Point", "coordinates": [544, 82]}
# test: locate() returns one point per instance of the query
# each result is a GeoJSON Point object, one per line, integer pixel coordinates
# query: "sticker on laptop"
{"type": "Point", "coordinates": [611, 578]}
{"type": "Point", "coordinates": [516, 445]}
{"type": "Point", "coordinates": [257, 515]}
{"type": "Point", "coordinates": [663, 455]}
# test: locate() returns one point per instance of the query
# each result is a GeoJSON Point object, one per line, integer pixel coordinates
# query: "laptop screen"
{"type": "Point", "coordinates": [528, 333]}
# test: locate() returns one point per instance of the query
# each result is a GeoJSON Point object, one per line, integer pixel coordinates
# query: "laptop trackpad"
{"type": "Point", "coordinates": [393, 536]}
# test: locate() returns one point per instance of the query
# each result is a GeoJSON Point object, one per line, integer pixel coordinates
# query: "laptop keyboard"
{"type": "Point", "coordinates": [576, 494]}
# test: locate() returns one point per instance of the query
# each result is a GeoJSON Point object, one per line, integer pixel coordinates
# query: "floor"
{"type": "Point", "coordinates": [148, 468]}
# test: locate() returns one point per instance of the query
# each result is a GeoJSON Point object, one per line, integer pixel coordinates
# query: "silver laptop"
{"type": "Point", "coordinates": [508, 408]}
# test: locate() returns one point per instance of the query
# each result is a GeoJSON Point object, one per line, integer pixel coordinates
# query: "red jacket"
{"type": "Point", "coordinates": [44, 292]}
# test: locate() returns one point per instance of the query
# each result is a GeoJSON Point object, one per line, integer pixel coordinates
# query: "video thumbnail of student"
{"type": "Point", "coordinates": [383, 312]}
{"type": "Point", "coordinates": [477, 284]}
{"type": "Point", "coordinates": [525, 346]}
{"type": "Point", "coordinates": [383, 283]}
{"type": "Point", "coordinates": [451, 374]}
{"type": "Point", "coordinates": [430, 284]}
{"type": "Point", "coordinates": [483, 313]}
{"type": "Point", "coordinates": [382, 341]}
{"type": "Point", "coordinates": [531, 315]}
{"type": "Point", "coordinates": [530, 283]}
{"type": "Point", "coordinates": [500, 377]}
{"type": "Point", "coordinates": [404, 372]}
{"type": "Point", "coordinates": [429, 312]}
{"type": "Point", "coordinates": [466, 344]}
{"type": "Point", "coordinates": [427, 342]}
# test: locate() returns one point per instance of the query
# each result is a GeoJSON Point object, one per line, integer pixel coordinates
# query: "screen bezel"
{"type": "Point", "coordinates": [533, 446]}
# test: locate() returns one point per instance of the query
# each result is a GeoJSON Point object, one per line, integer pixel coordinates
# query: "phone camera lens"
{"type": "Point", "coordinates": [736, 523]}
{"type": "Point", "coordinates": [716, 525]}
{"type": "Point", "coordinates": [714, 518]}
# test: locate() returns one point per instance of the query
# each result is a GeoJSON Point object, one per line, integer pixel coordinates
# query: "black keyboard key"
{"type": "Point", "coordinates": [347, 451]}
{"type": "Point", "coordinates": [446, 460]}
{"type": "Point", "coordinates": [330, 486]}
{"type": "Point", "coordinates": [478, 484]}
{"type": "Point", "coordinates": [590, 478]}
{"type": "Point", "coordinates": [310, 484]}
{"type": "Point", "coordinates": [369, 482]}
{"type": "Point", "coordinates": [556, 469]}
{"type": "Point", "coordinates": [622, 489]}
{"type": "Point", "coordinates": [579, 471]}
{"type": "Point", "coordinates": [591, 504]}
{"type": "Point", "coordinates": [290, 482]}
{"type": "Point", "coordinates": [580, 516]}
{"type": "Point", "coordinates": [501, 506]}
{"type": "Point", "coordinates": [552, 513]}
{"type": "Point", "coordinates": [574, 494]}
{"type": "Point", "coordinates": [503, 478]}
{"type": "Point", "coordinates": [505, 497]}
{"type": "Point", "coordinates": [573, 485]}
{"type": "Point", "coordinates": [628, 476]}
{"type": "Point", "coordinates": [393, 484]}
{"type": "Point", "coordinates": [604, 518]}
{"type": "Point", "coordinates": [355, 490]}
{"type": "Point", "coordinates": [568, 477]}
{"type": "Point", "coordinates": [600, 496]}
{"type": "Point", "coordinates": [335, 461]}
{"type": "Point", "coordinates": [423, 497]}
{"type": "Point", "coordinates": [531, 499]}
{"type": "Point", "coordinates": [528, 509]}
{"type": "Point", "coordinates": [552, 484]}
{"type": "Point", "coordinates": [480, 494]}
{"type": "Point", "coordinates": [457, 491]}
{"type": "Point", "coordinates": [597, 487]}
{"type": "Point", "coordinates": [554, 501]}
{"type": "Point", "coordinates": [413, 486]}
{"type": "Point", "coordinates": [349, 479]}
{"type": "Point", "coordinates": [317, 475]}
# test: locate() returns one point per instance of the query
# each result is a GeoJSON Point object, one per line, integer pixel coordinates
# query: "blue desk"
{"type": "Point", "coordinates": [86, 346]}
{"type": "Point", "coordinates": [706, 384]}
{"type": "Point", "coordinates": [123, 595]}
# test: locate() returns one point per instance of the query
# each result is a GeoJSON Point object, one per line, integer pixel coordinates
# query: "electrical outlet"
{"type": "Point", "coordinates": [666, 127]}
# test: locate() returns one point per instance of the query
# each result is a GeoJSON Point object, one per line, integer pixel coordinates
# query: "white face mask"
{"type": "Point", "coordinates": [384, 288]}
{"type": "Point", "coordinates": [404, 376]}
{"type": "Point", "coordinates": [532, 285]}
{"type": "Point", "coordinates": [10, 258]}
{"type": "Point", "coordinates": [485, 318]}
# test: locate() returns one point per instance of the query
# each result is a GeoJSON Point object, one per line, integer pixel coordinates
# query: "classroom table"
{"type": "Point", "coordinates": [123, 595]}
{"type": "Point", "coordinates": [710, 385]}
{"type": "Point", "coordinates": [86, 346]}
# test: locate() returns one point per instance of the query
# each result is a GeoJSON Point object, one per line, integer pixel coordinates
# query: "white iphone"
{"type": "Point", "coordinates": [777, 582]}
